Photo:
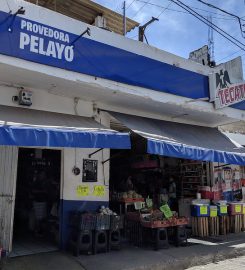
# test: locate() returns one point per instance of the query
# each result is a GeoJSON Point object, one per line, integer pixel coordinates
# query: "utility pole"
{"type": "Point", "coordinates": [143, 28]}
{"type": "Point", "coordinates": [124, 19]}
{"type": "Point", "coordinates": [211, 43]}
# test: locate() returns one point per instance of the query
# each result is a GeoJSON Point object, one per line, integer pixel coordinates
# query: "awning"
{"type": "Point", "coordinates": [236, 137]}
{"type": "Point", "coordinates": [184, 141]}
{"type": "Point", "coordinates": [26, 127]}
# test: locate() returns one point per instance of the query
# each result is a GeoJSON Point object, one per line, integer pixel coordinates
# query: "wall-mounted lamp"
{"type": "Point", "coordinates": [20, 11]}
{"type": "Point", "coordinates": [87, 31]}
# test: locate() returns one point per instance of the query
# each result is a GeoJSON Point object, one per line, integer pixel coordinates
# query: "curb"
{"type": "Point", "coordinates": [198, 260]}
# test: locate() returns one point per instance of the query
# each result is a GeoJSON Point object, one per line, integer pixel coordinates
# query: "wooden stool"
{"type": "Point", "coordinates": [213, 226]}
{"type": "Point", "coordinates": [224, 227]}
{"type": "Point", "coordinates": [236, 223]}
{"type": "Point", "coordinates": [200, 226]}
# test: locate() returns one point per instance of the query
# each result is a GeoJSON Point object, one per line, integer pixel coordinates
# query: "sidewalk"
{"type": "Point", "coordinates": [198, 252]}
{"type": "Point", "coordinates": [42, 261]}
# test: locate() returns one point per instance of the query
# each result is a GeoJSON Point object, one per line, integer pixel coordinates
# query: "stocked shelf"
{"type": "Point", "coordinates": [196, 172]}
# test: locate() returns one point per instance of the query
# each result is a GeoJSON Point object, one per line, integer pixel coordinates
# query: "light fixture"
{"type": "Point", "coordinates": [87, 31]}
{"type": "Point", "coordinates": [20, 11]}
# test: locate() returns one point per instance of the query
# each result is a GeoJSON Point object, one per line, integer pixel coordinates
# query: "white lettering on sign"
{"type": "Point", "coordinates": [39, 45]}
{"type": "Point", "coordinates": [230, 95]}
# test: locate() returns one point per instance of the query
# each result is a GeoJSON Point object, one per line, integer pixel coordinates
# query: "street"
{"type": "Point", "coordinates": [232, 264]}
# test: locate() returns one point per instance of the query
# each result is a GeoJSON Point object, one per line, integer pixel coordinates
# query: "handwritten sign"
{"type": "Point", "coordinates": [82, 190]}
{"type": "Point", "coordinates": [99, 191]}
{"type": "Point", "coordinates": [203, 210]}
{"type": "Point", "coordinates": [238, 208]}
{"type": "Point", "coordinates": [213, 212]}
{"type": "Point", "coordinates": [223, 209]}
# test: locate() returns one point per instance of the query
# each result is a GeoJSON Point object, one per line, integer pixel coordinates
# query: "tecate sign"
{"type": "Point", "coordinates": [233, 94]}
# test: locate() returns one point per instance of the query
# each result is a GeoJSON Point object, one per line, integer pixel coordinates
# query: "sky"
{"type": "Point", "coordinates": [180, 33]}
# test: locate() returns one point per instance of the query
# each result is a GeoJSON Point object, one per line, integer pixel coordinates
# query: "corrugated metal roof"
{"type": "Point", "coordinates": [87, 11]}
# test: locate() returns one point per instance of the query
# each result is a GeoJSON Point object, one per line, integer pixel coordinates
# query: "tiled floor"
{"type": "Point", "coordinates": [31, 246]}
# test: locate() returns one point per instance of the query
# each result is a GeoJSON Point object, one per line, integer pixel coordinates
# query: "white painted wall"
{"type": "Point", "coordinates": [74, 157]}
{"type": "Point", "coordinates": [71, 181]}
{"type": "Point", "coordinates": [45, 101]}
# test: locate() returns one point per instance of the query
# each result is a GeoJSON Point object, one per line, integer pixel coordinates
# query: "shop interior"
{"type": "Point", "coordinates": [36, 215]}
{"type": "Point", "coordinates": [136, 174]}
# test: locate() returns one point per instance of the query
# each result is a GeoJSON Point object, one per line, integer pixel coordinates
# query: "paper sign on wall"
{"type": "Point", "coordinates": [82, 190]}
{"type": "Point", "coordinates": [99, 191]}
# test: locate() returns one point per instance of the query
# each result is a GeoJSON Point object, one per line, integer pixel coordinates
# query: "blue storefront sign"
{"type": "Point", "coordinates": [43, 44]}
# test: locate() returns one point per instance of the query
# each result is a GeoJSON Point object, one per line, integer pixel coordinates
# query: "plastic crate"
{"type": "Point", "coordinates": [200, 210]}
{"type": "Point", "coordinates": [87, 222]}
{"type": "Point", "coordinates": [82, 221]}
{"type": "Point", "coordinates": [102, 222]}
{"type": "Point", "coordinates": [116, 222]}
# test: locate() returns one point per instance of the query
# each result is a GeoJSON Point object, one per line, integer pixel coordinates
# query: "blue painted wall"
{"type": "Point", "coordinates": [66, 206]}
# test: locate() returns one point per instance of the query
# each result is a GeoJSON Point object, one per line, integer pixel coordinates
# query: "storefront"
{"type": "Point", "coordinates": [88, 95]}
{"type": "Point", "coordinates": [37, 151]}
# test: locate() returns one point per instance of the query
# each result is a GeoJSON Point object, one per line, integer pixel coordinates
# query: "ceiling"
{"type": "Point", "coordinates": [86, 11]}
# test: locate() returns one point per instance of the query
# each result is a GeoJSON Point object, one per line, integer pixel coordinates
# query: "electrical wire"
{"type": "Point", "coordinates": [164, 9]}
{"type": "Point", "coordinates": [226, 12]}
{"type": "Point", "coordinates": [130, 4]}
{"type": "Point", "coordinates": [213, 26]}
{"type": "Point", "coordinates": [225, 17]}
{"type": "Point", "coordinates": [147, 2]}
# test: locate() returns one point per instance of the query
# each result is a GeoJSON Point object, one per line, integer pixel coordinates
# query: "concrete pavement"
{"type": "Point", "coordinates": [43, 261]}
{"type": "Point", "coordinates": [198, 252]}
{"type": "Point", "coordinates": [232, 264]}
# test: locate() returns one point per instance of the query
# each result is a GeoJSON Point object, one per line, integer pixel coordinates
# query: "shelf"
{"type": "Point", "coordinates": [187, 164]}
{"type": "Point", "coordinates": [191, 183]}
{"type": "Point", "coordinates": [191, 171]}
{"type": "Point", "coordinates": [192, 176]}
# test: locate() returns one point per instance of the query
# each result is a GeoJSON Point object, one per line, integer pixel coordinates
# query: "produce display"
{"type": "Point", "coordinates": [106, 211]}
{"type": "Point", "coordinates": [131, 194]}
{"type": "Point", "coordinates": [156, 219]}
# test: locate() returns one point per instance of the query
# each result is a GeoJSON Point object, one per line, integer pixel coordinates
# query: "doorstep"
{"type": "Point", "coordinates": [197, 252]}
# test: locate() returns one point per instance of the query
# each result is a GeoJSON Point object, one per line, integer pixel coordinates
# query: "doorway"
{"type": "Point", "coordinates": [37, 202]}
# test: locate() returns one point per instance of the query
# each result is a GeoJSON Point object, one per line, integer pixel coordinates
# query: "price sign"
{"type": "Point", "coordinates": [203, 210]}
{"type": "Point", "coordinates": [238, 208]}
{"type": "Point", "coordinates": [82, 190]}
{"type": "Point", "coordinates": [166, 211]}
{"type": "Point", "coordinates": [99, 191]}
{"type": "Point", "coordinates": [223, 209]}
{"type": "Point", "coordinates": [213, 212]}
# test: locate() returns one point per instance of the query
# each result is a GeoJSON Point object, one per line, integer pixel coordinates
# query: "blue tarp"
{"type": "Point", "coordinates": [24, 127]}
{"type": "Point", "coordinates": [184, 141]}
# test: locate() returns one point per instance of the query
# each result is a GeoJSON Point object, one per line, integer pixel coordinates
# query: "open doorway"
{"type": "Point", "coordinates": [36, 216]}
